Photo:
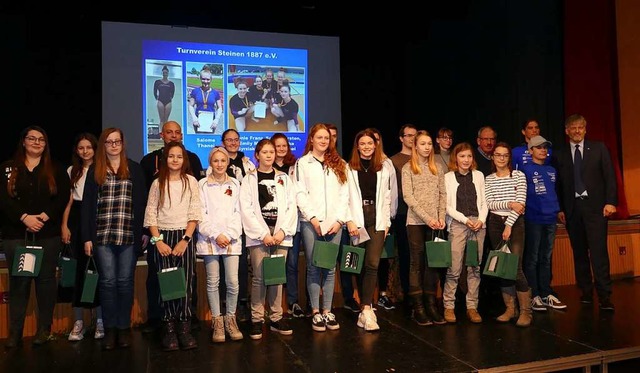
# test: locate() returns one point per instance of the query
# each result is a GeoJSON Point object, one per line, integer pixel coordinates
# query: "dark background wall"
{"type": "Point", "coordinates": [462, 64]}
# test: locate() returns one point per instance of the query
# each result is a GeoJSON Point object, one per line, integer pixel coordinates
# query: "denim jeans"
{"type": "Point", "coordinates": [316, 275]}
{"type": "Point", "coordinates": [292, 269]}
{"type": "Point", "coordinates": [539, 240]}
{"type": "Point", "coordinates": [212, 266]}
{"type": "Point", "coordinates": [116, 266]}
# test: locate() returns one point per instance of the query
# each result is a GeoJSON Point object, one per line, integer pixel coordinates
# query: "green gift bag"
{"type": "Point", "coordinates": [502, 262]}
{"type": "Point", "coordinates": [173, 284]}
{"type": "Point", "coordinates": [90, 282]}
{"type": "Point", "coordinates": [352, 259]}
{"type": "Point", "coordinates": [274, 270]}
{"type": "Point", "coordinates": [388, 251]}
{"type": "Point", "coordinates": [325, 254]}
{"type": "Point", "coordinates": [27, 259]}
{"type": "Point", "coordinates": [67, 265]}
{"type": "Point", "coordinates": [438, 251]}
{"type": "Point", "coordinates": [471, 254]}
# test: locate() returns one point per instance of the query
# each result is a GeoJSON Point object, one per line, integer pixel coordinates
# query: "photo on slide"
{"type": "Point", "coordinates": [164, 97]}
{"type": "Point", "coordinates": [266, 98]}
{"type": "Point", "coordinates": [205, 90]}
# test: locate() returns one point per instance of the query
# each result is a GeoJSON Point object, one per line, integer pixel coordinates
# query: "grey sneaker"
{"type": "Point", "coordinates": [537, 304]}
{"type": "Point", "coordinates": [77, 333]}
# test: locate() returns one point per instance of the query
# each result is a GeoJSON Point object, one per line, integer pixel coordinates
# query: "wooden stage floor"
{"type": "Point", "coordinates": [579, 338]}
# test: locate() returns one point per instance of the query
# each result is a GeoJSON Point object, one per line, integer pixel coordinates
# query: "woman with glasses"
{"type": "Point", "coordinates": [506, 191]}
{"type": "Point", "coordinates": [33, 195]}
{"type": "Point", "coordinates": [113, 209]}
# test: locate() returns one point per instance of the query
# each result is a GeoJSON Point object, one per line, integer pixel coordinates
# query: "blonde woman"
{"type": "Point", "coordinates": [424, 192]}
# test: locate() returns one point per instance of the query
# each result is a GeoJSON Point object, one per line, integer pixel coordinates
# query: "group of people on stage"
{"type": "Point", "coordinates": [236, 213]}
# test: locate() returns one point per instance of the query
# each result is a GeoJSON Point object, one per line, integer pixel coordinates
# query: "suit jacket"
{"type": "Point", "coordinates": [597, 173]}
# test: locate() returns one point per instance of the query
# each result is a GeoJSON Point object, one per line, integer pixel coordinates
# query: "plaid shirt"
{"type": "Point", "coordinates": [114, 220]}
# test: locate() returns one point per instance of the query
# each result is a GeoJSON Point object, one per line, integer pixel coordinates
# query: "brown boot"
{"type": "Point", "coordinates": [185, 339]}
{"type": "Point", "coordinates": [169, 336]}
{"type": "Point", "coordinates": [510, 311]}
{"type": "Point", "coordinates": [474, 316]}
{"type": "Point", "coordinates": [524, 298]}
{"type": "Point", "coordinates": [218, 329]}
{"type": "Point", "coordinates": [231, 327]}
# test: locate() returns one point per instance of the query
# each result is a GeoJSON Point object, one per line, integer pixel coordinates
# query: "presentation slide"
{"type": "Point", "coordinates": [211, 80]}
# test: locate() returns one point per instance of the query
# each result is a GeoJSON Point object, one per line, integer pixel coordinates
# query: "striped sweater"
{"type": "Point", "coordinates": [499, 191]}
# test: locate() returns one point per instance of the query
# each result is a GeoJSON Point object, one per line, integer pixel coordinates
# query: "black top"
{"type": "Point", "coordinates": [33, 197]}
{"type": "Point", "coordinates": [266, 197]}
{"type": "Point", "coordinates": [466, 197]}
{"type": "Point", "coordinates": [367, 179]}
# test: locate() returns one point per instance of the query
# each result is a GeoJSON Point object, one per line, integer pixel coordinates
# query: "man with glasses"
{"type": "Point", "coordinates": [239, 166]}
{"type": "Point", "coordinates": [150, 163]}
{"type": "Point", "coordinates": [407, 137]}
{"type": "Point", "coordinates": [588, 197]}
{"type": "Point", "coordinates": [486, 143]}
{"type": "Point", "coordinates": [521, 154]}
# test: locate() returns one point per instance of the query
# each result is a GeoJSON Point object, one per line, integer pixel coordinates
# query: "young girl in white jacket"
{"type": "Point", "coordinates": [269, 219]}
{"type": "Point", "coordinates": [370, 208]}
{"type": "Point", "coordinates": [466, 216]}
{"type": "Point", "coordinates": [219, 241]}
{"type": "Point", "coordinates": [322, 197]}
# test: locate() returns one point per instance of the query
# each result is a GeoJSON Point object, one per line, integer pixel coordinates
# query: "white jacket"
{"type": "Point", "coordinates": [393, 184]}
{"type": "Point", "coordinates": [255, 228]}
{"type": "Point", "coordinates": [451, 184]}
{"type": "Point", "coordinates": [383, 199]}
{"type": "Point", "coordinates": [319, 192]}
{"type": "Point", "coordinates": [220, 215]}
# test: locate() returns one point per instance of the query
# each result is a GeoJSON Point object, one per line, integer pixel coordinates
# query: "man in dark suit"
{"type": "Point", "coordinates": [588, 196]}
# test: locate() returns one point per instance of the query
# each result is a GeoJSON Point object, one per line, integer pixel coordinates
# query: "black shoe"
{"type": "Point", "coordinates": [124, 338]}
{"type": "Point", "coordinates": [605, 304]}
{"type": "Point", "coordinates": [256, 330]}
{"type": "Point", "coordinates": [185, 338]}
{"type": "Point", "coordinates": [13, 341]}
{"type": "Point", "coordinates": [195, 323]}
{"type": "Point", "coordinates": [243, 313]}
{"type": "Point", "coordinates": [352, 305]}
{"type": "Point", "coordinates": [432, 311]}
{"type": "Point", "coordinates": [586, 298]}
{"type": "Point", "coordinates": [110, 336]}
{"type": "Point", "coordinates": [170, 337]}
{"type": "Point", "coordinates": [386, 303]}
{"type": "Point", "coordinates": [281, 326]}
{"type": "Point", "coordinates": [42, 336]}
{"type": "Point", "coordinates": [150, 326]}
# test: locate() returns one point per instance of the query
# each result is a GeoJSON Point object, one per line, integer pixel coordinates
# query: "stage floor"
{"type": "Point", "coordinates": [581, 336]}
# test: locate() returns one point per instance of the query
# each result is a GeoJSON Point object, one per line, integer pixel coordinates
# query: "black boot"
{"type": "Point", "coordinates": [169, 336]}
{"type": "Point", "coordinates": [124, 338]}
{"type": "Point", "coordinates": [15, 339]}
{"type": "Point", "coordinates": [432, 309]}
{"type": "Point", "coordinates": [110, 336]}
{"type": "Point", "coordinates": [419, 313]}
{"type": "Point", "coordinates": [186, 340]}
{"type": "Point", "coordinates": [43, 335]}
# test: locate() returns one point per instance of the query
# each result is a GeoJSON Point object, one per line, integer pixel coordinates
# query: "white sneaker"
{"type": "Point", "coordinates": [77, 333]}
{"type": "Point", "coordinates": [99, 334]}
{"type": "Point", "coordinates": [366, 320]}
{"type": "Point", "coordinates": [537, 304]}
{"type": "Point", "coordinates": [553, 302]}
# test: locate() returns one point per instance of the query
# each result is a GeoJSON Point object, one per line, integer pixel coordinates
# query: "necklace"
{"type": "Point", "coordinates": [366, 169]}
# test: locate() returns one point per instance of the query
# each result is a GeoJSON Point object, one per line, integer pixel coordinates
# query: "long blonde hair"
{"type": "Point", "coordinates": [415, 158]}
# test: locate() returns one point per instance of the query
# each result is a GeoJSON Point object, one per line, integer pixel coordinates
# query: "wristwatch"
{"type": "Point", "coordinates": [186, 238]}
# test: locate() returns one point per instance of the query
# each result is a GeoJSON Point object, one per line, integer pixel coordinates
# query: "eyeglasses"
{"type": "Point", "coordinates": [409, 135]}
{"type": "Point", "coordinates": [34, 139]}
{"type": "Point", "coordinates": [501, 156]}
{"type": "Point", "coordinates": [113, 143]}
{"type": "Point", "coordinates": [231, 140]}
{"type": "Point", "coordinates": [487, 139]}
{"type": "Point", "coordinates": [446, 138]}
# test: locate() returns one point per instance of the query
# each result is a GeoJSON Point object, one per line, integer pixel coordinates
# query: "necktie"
{"type": "Point", "coordinates": [577, 171]}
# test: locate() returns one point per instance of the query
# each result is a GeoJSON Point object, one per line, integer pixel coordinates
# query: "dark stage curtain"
{"type": "Point", "coordinates": [590, 76]}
